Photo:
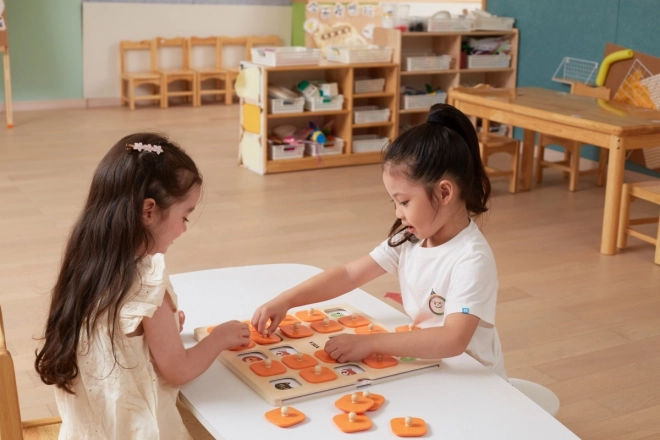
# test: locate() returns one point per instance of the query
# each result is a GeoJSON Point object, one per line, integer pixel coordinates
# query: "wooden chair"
{"type": "Point", "coordinates": [202, 74]}
{"type": "Point", "coordinates": [649, 191]}
{"type": "Point", "coordinates": [11, 425]}
{"type": "Point", "coordinates": [571, 163]}
{"type": "Point", "coordinates": [131, 80]}
{"type": "Point", "coordinates": [183, 73]}
{"type": "Point", "coordinates": [232, 71]}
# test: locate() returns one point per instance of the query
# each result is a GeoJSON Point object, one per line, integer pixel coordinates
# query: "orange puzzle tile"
{"type": "Point", "coordinates": [299, 361]}
{"type": "Point", "coordinates": [292, 332]}
{"type": "Point", "coordinates": [330, 327]}
{"type": "Point", "coordinates": [406, 328]}
{"type": "Point", "coordinates": [250, 326]}
{"type": "Point", "coordinates": [408, 426]}
{"type": "Point", "coordinates": [354, 321]}
{"type": "Point", "coordinates": [325, 357]}
{"type": "Point", "coordinates": [264, 340]}
{"type": "Point", "coordinates": [355, 402]}
{"type": "Point", "coordinates": [377, 398]}
{"type": "Point", "coordinates": [285, 416]}
{"type": "Point", "coordinates": [318, 374]}
{"type": "Point", "coordinates": [370, 329]}
{"type": "Point", "coordinates": [262, 368]}
{"type": "Point", "coordinates": [288, 320]}
{"type": "Point", "coordinates": [243, 347]}
{"type": "Point", "coordinates": [315, 315]}
{"type": "Point", "coordinates": [352, 422]}
{"type": "Point", "coordinates": [380, 361]}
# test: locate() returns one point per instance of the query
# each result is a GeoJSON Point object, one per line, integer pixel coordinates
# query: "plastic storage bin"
{"type": "Point", "coordinates": [368, 114]}
{"type": "Point", "coordinates": [369, 85]}
{"type": "Point", "coordinates": [427, 62]}
{"type": "Point", "coordinates": [359, 54]}
{"type": "Point", "coordinates": [366, 143]}
{"type": "Point", "coordinates": [493, 24]}
{"type": "Point", "coordinates": [330, 147]}
{"type": "Point", "coordinates": [279, 105]}
{"type": "Point", "coordinates": [488, 61]}
{"type": "Point", "coordinates": [277, 152]}
{"type": "Point", "coordinates": [422, 101]}
{"type": "Point", "coordinates": [450, 24]}
{"type": "Point", "coordinates": [286, 56]}
{"type": "Point", "coordinates": [321, 103]}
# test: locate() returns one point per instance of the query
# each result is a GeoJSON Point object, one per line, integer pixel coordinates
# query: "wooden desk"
{"type": "Point", "coordinates": [459, 400]}
{"type": "Point", "coordinates": [605, 124]}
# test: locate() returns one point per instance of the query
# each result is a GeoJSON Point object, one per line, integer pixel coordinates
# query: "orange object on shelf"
{"type": "Point", "coordinates": [316, 315]}
{"type": "Point", "coordinates": [260, 368]}
{"type": "Point", "coordinates": [277, 417]}
{"type": "Point", "coordinates": [325, 357]}
{"type": "Point", "coordinates": [405, 328]}
{"type": "Point", "coordinates": [360, 423]}
{"type": "Point", "coordinates": [380, 361]}
{"type": "Point", "coordinates": [243, 347]}
{"type": "Point", "coordinates": [305, 361]}
{"type": "Point", "coordinates": [265, 340]}
{"type": "Point", "coordinates": [377, 398]}
{"type": "Point", "coordinates": [325, 375]}
{"type": "Point", "coordinates": [349, 321]}
{"type": "Point", "coordinates": [417, 427]}
{"type": "Point", "coordinates": [292, 332]}
{"type": "Point", "coordinates": [365, 330]}
{"type": "Point", "coordinates": [333, 326]}
{"type": "Point", "coordinates": [360, 406]}
{"type": "Point", "coordinates": [288, 320]}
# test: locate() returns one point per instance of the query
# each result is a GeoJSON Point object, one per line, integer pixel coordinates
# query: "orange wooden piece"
{"type": "Point", "coordinates": [333, 326]}
{"type": "Point", "coordinates": [292, 361]}
{"type": "Point", "coordinates": [288, 320]}
{"type": "Point", "coordinates": [349, 322]}
{"type": "Point", "coordinates": [361, 423]}
{"type": "Point", "coordinates": [325, 357]}
{"type": "Point", "coordinates": [304, 315]}
{"type": "Point", "coordinates": [364, 330]}
{"type": "Point", "coordinates": [293, 418]}
{"type": "Point", "coordinates": [385, 362]}
{"type": "Point", "coordinates": [310, 375]}
{"type": "Point", "coordinates": [363, 404]}
{"type": "Point", "coordinates": [291, 332]}
{"type": "Point", "coordinates": [378, 400]}
{"type": "Point", "coordinates": [260, 369]}
{"type": "Point", "coordinates": [416, 429]}
{"type": "Point", "coordinates": [243, 347]}
{"type": "Point", "coordinates": [251, 327]}
{"type": "Point", "coordinates": [405, 328]}
{"type": "Point", "coordinates": [264, 340]}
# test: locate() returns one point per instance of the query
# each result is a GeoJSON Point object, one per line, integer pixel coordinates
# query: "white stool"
{"type": "Point", "coordinates": [539, 394]}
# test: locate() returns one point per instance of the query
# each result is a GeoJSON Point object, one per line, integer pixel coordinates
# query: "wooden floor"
{"type": "Point", "coordinates": [583, 324]}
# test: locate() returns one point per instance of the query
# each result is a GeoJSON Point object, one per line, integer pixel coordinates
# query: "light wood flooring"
{"type": "Point", "coordinates": [585, 325]}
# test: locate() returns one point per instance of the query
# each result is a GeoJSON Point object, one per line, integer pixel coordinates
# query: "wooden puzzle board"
{"type": "Point", "coordinates": [291, 385]}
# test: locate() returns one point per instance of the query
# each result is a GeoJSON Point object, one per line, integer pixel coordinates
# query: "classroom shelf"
{"type": "Point", "coordinates": [373, 124]}
{"type": "Point", "coordinates": [374, 95]}
{"type": "Point", "coordinates": [428, 72]}
{"type": "Point", "coordinates": [308, 114]}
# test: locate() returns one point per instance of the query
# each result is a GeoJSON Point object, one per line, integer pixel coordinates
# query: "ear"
{"type": "Point", "coordinates": [148, 211]}
{"type": "Point", "coordinates": [447, 191]}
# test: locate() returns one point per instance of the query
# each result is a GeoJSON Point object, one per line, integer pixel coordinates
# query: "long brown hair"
{"type": "Point", "coordinates": [99, 267]}
{"type": "Point", "coordinates": [445, 145]}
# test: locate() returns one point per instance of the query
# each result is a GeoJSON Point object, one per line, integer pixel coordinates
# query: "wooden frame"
{"type": "Point", "coordinates": [7, 72]}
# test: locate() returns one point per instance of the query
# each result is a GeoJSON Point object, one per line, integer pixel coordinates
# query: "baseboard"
{"type": "Point", "coordinates": [55, 104]}
{"type": "Point", "coordinates": [103, 102]}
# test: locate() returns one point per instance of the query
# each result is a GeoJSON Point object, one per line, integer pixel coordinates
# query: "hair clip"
{"type": "Point", "coordinates": [139, 146]}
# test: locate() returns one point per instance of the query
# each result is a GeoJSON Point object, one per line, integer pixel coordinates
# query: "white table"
{"type": "Point", "coordinates": [460, 400]}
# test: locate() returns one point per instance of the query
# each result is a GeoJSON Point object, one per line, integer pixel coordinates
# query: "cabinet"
{"type": "Point", "coordinates": [257, 122]}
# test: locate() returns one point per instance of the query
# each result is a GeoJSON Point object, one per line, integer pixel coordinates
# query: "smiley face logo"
{"type": "Point", "coordinates": [436, 304]}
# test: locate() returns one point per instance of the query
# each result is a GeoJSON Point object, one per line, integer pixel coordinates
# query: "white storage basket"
{"type": "Point", "coordinates": [370, 114]}
{"type": "Point", "coordinates": [286, 56]}
{"type": "Point", "coordinates": [320, 103]}
{"type": "Point", "coordinates": [330, 147]}
{"type": "Point", "coordinates": [279, 105]}
{"type": "Point", "coordinates": [450, 24]}
{"type": "Point", "coordinates": [277, 152]}
{"type": "Point", "coordinates": [427, 62]}
{"type": "Point", "coordinates": [359, 54]}
{"type": "Point", "coordinates": [368, 85]}
{"type": "Point", "coordinates": [366, 143]}
{"type": "Point", "coordinates": [488, 61]}
{"type": "Point", "coordinates": [493, 24]}
{"type": "Point", "coordinates": [422, 101]}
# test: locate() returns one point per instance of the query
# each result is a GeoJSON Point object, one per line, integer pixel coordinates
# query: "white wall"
{"type": "Point", "coordinates": [105, 24]}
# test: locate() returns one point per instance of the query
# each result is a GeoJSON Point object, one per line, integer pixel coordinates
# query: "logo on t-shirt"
{"type": "Point", "coordinates": [436, 304]}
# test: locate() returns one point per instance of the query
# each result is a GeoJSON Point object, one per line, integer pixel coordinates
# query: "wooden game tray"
{"type": "Point", "coordinates": [348, 375]}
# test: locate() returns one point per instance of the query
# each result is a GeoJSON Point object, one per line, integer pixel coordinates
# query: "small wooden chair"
{"type": "Point", "coordinates": [11, 425]}
{"type": "Point", "coordinates": [232, 71]}
{"type": "Point", "coordinates": [649, 191]}
{"type": "Point", "coordinates": [489, 144]}
{"type": "Point", "coordinates": [183, 73]}
{"type": "Point", "coordinates": [202, 74]}
{"type": "Point", "coordinates": [131, 80]}
{"type": "Point", "coordinates": [571, 163]}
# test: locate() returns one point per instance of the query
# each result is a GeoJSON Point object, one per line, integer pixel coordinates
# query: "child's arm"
{"type": "Point", "coordinates": [326, 285]}
{"type": "Point", "coordinates": [177, 364]}
{"type": "Point", "coordinates": [448, 340]}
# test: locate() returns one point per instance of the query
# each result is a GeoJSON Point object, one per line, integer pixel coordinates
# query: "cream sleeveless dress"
{"type": "Point", "coordinates": [127, 399]}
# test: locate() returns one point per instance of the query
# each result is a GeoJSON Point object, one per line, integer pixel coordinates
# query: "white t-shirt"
{"type": "Point", "coordinates": [456, 277]}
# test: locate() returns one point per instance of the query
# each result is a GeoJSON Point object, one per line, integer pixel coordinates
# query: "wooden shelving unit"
{"type": "Point", "coordinates": [257, 122]}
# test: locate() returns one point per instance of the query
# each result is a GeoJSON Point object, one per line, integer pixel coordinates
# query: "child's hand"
{"type": "Point", "coordinates": [182, 320]}
{"type": "Point", "coordinates": [232, 334]}
{"type": "Point", "coordinates": [273, 310]}
{"type": "Point", "coordinates": [347, 348]}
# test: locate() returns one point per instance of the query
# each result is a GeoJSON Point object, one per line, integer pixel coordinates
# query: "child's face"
{"type": "Point", "coordinates": [171, 223]}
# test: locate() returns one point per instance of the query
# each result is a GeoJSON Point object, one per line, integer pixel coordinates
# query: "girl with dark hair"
{"type": "Point", "coordinates": [438, 184]}
{"type": "Point", "coordinates": [112, 346]}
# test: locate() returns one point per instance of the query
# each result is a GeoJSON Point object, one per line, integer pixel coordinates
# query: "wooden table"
{"type": "Point", "coordinates": [460, 400]}
{"type": "Point", "coordinates": [606, 124]}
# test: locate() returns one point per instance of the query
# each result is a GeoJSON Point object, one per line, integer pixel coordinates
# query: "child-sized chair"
{"type": "Point", "coordinates": [571, 163]}
{"type": "Point", "coordinates": [539, 394]}
{"type": "Point", "coordinates": [130, 80]}
{"type": "Point", "coordinates": [216, 73]}
{"type": "Point", "coordinates": [489, 144]}
{"type": "Point", "coordinates": [183, 73]}
{"type": "Point", "coordinates": [11, 425]}
{"type": "Point", "coordinates": [232, 71]}
{"type": "Point", "coordinates": [649, 191]}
